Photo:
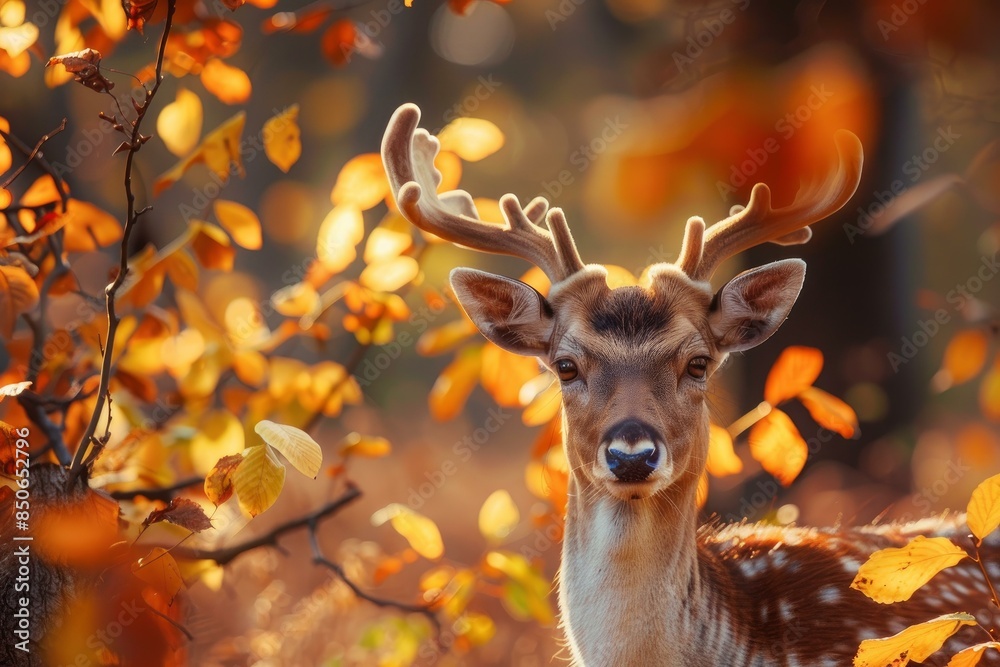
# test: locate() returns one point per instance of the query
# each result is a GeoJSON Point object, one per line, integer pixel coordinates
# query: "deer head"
{"type": "Point", "coordinates": [634, 361]}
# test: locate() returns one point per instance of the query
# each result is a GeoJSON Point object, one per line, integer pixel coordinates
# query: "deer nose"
{"type": "Point", "coordinates": [632, 452]}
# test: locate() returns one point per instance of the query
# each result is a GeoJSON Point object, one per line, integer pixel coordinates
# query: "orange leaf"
{"type": "Point", "coordinates": [179, 124]}
{"type": "Point", "coordinates": [339, 234]}
{"type": "Point", "coordinates": [212, 247]}
{"type": "Point", "coordinates": [361, 182]}
{"type": "Point", "coordinates": [230, 84]}
{"type": "Point", "coordinates": [241, 223]}
{"type": "Point", "coordinates": [282, 138]}
{"type": "Point", "coordinates": [778, 446]}
{"type": "Point", "coordinates": [86, 224]}
{"type": "Point", "coordinates": [796, 368]}
{"type": "Point", "coordinates": [830, 412]}
{"type": "Point", "coordinates": [722, 459]}
{"type": "Point", "coordinates": [504, 373]}
{"type": "Point", "coordinates": [964, 358]}
{"type": "Point", "coordinates": [446, 337]}
{"type": "Point", "coordinates": [219, 151]}
{"type": "Point", "coordinates": [338, 42]}
{"type": "Point", "coordinates": [390, 275]}
{"type": "Point", "coordinates": [456, 382]}
{"type": "Point", "coordinates": [18, 294]}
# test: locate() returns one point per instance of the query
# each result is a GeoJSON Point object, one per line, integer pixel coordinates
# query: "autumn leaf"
{"type": "Point", "coordinates": [830, 412]}
{"type": "Point", "coordinates": [389, 240]}
{"type": "Point", "coordinates": [14, 389]}
{"type": "Point", "coordinates": [984, 508]}
{"type": "Point", "coordinates": [18, 294]}
{"type": "Point", "coordinates": [778, 446]}
{"type": "Point", "coordinates": [498, 516]}
{"type": "Point", "coordinates": [85, 65]}
{"type": "Point", "coordinates": [230, 84]}
{"type": "Point", "coordinates": [369, 446]}
{"type": "Point", "coordinates": [338, 42]}
{"type": "Point", "coordinates": [181, 512]}
{"type": "Point", "coordinates": [964, 358]}
{"type": "Point", "coordinates": [895, 574]}
{"type": "Point", "coordinates": [795, 369]}
{"type": "Point", "coordinates": [722, 458]}
{"type": "Point", "coordinates": [339, 234]}
{"type": "Point", "coordinates": [159, 569]}
{"type": "Point", "coordinates": [88, 227]}
{"type": "Point", "coordinates": [362, 182]}
{"type": "Point", "coordinates": [452, 388]}
{"type": "Point", "coordinates": [969, 657]}
{"type": "Point", "coordinates": [220, 151]}
{"type": "Point", "coordinates": [296, 300]}
{"type": "Point", "coordinates": [916, 643]}
{"type": "Point", "coordinates": [421, 533]}
{"type": "Point", "coordinates": [295, 444]}
{"type": "Point", "coordinates": [526, 592]}
{"type": "Point", "coordinates": [282, 138]}
{"type": "Point", "coordinates": [259, 479]}
{"type": "Point", "coordinates": [241, 223]}
{"type": "Point", "coordinates": [446, 337]}
{"type": "Point", "coordinates": [472, 139]}
{"type": "Point", "coordinates": [504, 374]}
{"type": "Point", "coordinates": [211, 246]}
{"type": "Point", "coordinates": [219, 480]}
{"type": "Point", "coordinates": [179, 123]}
{"type": "Point", "coordinates": [390, 275]}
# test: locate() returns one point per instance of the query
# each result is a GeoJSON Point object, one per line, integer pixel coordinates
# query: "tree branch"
{"type": "Point", "coordinates": [134, 142]}
{"type": "Point", "coordinates": [166, 493]}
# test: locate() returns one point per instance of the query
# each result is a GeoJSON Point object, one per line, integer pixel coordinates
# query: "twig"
{"type": "Point", "coordinates": [165, 493]}
{"type": "Point", "coordinates": [111, 292]}
{"type": "Point", "coordinates": [320, 559]}
{"type": "Point", "coordinates": [35, 155]}
{"type": "Point", "coordinates": [225, 555]}
{"type": "Point", "coordinates": [986, 576]}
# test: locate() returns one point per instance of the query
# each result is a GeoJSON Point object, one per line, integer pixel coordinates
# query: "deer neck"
{"type": "Point", "coordinates": [633, 590]}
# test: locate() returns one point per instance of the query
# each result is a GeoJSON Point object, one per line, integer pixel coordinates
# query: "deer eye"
{"type": "Point", "coordinates": [698, 367]}
{"type": "Point", "coordinates": [566, 370]}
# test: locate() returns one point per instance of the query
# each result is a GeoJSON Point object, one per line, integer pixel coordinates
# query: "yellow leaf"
{"type": "Point", "coordinates": [795, 369]}
{"type": "Point", "coordinates": [361, 183]}
{"type": "Point", "coordinates": [159, 569]}
{"type": "Point", "coordinates": [219, 151]}
{"type": "Point", "coordinates": [458, 593]}
{"type": "Point", "coordinates": [18, 294]}
{"type": "Point", "coordinates": [472, 139]}
{"type": "Point", "coordinates": [498, 516]}
{"type": "Point", "coordinates": [217, 434]}
{"type": "Point", "coordinates": [230, 84]}
{"type": "Point", "coordinates": [528, 596]}
{"type": "Point", "coordinates": [477, 628]}
{"type": "Point", "coordinates": [339, 234]}
{"type": "Point", "coordinates": [295, 444]}
{"type": "Point", "coordinates": [211, 246]}
{"type": "Point", "coordinates": [830, 412]}
{"type": "Point", "coordinates": [259, 479]}
{"type": "Point", "coordinates": [296, 300]}
{"type": "Point", "coordinates": [179, 124]}
{"type": "Point", "coordinates": [722, 458]}
{"type": "Point", "coordinates": [971, 656]}
{"type": "Point", "coordinates": [369, 446]}
{"type": "Point", "coordinates": [894, 574]}
{"type": "Point", "coordinates": [452, 388]}
{"type": "Point", "coordinates": [241, 223]}
{"type": "Point", "coordinates": [390, 275]}
{"type": "Point", "coordinates": [282, 138]}
{"type": "Point", "coordinates": [964, 357]}
{"type": "Point", "coordinates": [446, 337]}
{"type": "Point", "coordinates": [422, 533]}
{"type": "Point", "coordinates": [389, 240]}
{"type": "Point", "coordinates": [250, 367]}
{"type": "Point", "coordinates": [916, 643]}
{"type": "Point", "coordinates": [778, 446]}
{"type": "Point", "coordinates": [984, 508]}
{"type": "Point", "coordinates": [450, 167]}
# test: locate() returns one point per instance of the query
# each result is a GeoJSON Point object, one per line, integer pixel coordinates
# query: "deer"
{"type": "Point", "coordinates": [641, 583]}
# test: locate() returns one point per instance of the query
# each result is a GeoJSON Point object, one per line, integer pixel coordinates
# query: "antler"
{"type": "Point", "coordinates": [703, 251]}
{"type": "Point", "coordinates": [408, 155]}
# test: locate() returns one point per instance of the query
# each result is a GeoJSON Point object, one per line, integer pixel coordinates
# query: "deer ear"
{"type": "Point", "coordinates": [751, 306]}
{"type": "Point", "coordinates": [508, 312]}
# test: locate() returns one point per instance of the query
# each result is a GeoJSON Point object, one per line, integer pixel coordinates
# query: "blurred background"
{"type": "Point", "coordinates": [632, 115]}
